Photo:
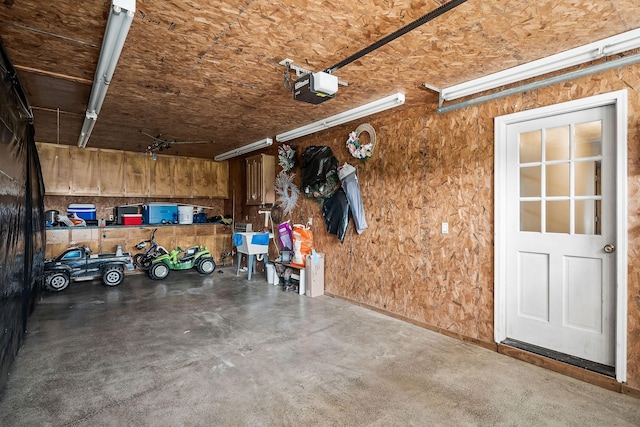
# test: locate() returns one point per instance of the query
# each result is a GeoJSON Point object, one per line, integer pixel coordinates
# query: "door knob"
{"type": "Point", "coordinates": [609, 248]}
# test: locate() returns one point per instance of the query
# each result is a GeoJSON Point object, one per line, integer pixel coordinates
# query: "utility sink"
{"type": "Point", "coordinates": [252, 243]}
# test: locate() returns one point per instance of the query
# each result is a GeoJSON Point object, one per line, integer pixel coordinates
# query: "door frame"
{"type": "Point", "coordinates": [619, 100]}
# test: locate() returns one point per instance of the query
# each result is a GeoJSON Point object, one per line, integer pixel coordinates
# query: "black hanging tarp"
{"type": "Point", "coordinates": [21, 216]}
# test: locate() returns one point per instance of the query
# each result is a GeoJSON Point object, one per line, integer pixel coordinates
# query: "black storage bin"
{"type": "Point", "coordinates": [122, 210]}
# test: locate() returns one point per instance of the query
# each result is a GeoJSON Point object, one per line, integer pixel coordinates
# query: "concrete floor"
{"type": "Point", "coordinates": [219, 350]}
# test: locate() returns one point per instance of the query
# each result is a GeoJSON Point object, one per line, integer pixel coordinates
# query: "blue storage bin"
{"type": "Point", "coordinates": [160, 213]}
{"type": "Point", "coordinates": [86, 211]}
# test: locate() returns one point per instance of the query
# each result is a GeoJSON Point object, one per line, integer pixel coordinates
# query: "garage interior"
{"type": "Point", "coordinates": [197, 80]}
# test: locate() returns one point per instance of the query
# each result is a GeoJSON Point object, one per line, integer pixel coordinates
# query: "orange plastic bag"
{"type": "Point", "coordinates": [302, 244]}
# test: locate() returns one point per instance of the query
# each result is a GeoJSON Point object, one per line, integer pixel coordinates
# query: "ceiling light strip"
{"type": "Point", "coordinates": [120, 18]}
{"type": "Point", "coordinates": [605, 47]}
{"type": "Point", "coordinates": [598, 68]}
{"type": "Point", "coordinates": [374, 107]}
{"type": "Point", "coordinates": [244, 149]}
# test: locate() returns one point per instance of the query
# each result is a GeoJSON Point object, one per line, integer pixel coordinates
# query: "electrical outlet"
{"type": "Point", "coordinates": [445, 228]}
{"type": "Point", "coordinates": [111, 217]}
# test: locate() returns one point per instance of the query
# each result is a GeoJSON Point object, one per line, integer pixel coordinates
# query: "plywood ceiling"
{"type": "Point", "coordinates": [208, 70]}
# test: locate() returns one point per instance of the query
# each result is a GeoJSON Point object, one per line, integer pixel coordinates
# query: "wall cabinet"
{"type": "Point", "coordinates": [55, 162]}
{"type": "Point", "coordinates": [221, 181]}
{"type": "Point", "coordinates": [85, 178]}
{"type": "Point", "coordinates": [136, 174]}
{"type": "Point", "coordinates": [261, 176]}
{"type": "Point", "coordinates": [160, 177]}
{"type": "Point", "coordinates": [110, 173]}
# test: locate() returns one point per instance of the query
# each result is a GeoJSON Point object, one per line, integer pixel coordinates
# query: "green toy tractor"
{"type": "Point", "coordinates": [196, 256]}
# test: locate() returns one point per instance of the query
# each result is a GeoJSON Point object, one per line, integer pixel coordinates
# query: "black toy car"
{"type": "Point", "coordinates": [77, 263]}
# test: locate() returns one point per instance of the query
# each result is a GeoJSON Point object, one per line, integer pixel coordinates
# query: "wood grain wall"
{"type": "Point", "coordinates": [427, 169]}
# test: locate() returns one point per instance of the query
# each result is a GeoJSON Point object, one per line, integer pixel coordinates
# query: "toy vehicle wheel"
{"type": "Point", "coordinates": [56, 282]}
{"type": "Point", "coordinates": [142, 262]}
{"type": "Point", "coordinates": [159, 271]}
{"type": "Point", "coordinates": [206, 265]}
{"type": "Point", "coordinates": [113, 276]}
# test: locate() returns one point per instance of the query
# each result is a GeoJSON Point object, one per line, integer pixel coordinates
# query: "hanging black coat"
{"type": "Point", "coordinates": [335, 211]}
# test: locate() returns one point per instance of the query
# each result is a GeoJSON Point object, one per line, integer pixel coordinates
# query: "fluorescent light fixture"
{"type": "Point", "coordinates": [382, 104]}
{"type": "Point", "coordinates": [120, 17]}
{"type": "Point", "coordinates": [244, 149]}
{"type": "Point", "coordinates": [605, 47]}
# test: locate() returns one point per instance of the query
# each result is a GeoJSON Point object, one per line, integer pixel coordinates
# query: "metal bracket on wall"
{"type": "Point", "coordinates": [302, 71]}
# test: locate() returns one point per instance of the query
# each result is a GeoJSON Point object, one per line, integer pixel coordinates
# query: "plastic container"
{"type": "Point", "coordinates": [132, 219]}
{"type": "Point", "coordinates": [124, 210]}
{"type": "Point", "coordinates": [185, 214]}
{"type": "Point", "coordinates": [271, 271]}
{"type": "Point", "coordinates": [160, 213]}
{"type": "Point", "coordinates": [86, 211]}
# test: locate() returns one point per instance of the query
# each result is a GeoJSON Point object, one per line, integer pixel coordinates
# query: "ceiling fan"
{"type": "Point", "coordinates": [160, 144]}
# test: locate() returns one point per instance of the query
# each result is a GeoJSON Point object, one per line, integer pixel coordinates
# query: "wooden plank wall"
{"type": "Point", "coordinates": [428, 169]}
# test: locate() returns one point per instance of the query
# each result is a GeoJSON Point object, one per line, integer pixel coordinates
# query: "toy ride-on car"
{"type": "Point", "coordinates": [196, 256]}
{"type": "Point", "coordinates": [77, 263]}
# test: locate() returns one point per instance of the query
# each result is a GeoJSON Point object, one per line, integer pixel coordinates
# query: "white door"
{"type": "Point", "coordinates": [561, 233]}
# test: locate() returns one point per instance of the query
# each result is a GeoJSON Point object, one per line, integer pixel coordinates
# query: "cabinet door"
{"type": "Point", "coordinates": [136, 173]}
{"type": "Point", "coordinates": [110, 238]}
{"type": "Point", "coordinates": [223, 240]}
{"type": "Point", "coordinates": [254, 180]}
{"type": "Point", "coordinates": [55, 163]}
{"type": "Point", "coordinates": [111, 173]}
{"type": "Point", "coordinates": [85, 172]}
{"type": "Point", "coordinates": [220, 172]}
{"type": "Point", "coordinates": [206, 236]}
{"type": "Point", "coordinates": [82, 236]}
{"type": "Point", "coordinates": [184, 236]}
{"type": "Point", "coordinates": [203, 181]}
{"type": "Point", "coordinates": [57, 240]}
{"type": "Point", "coordinates": [260, 179]}
{"type": "Point", "coordinates": [182, 177]}
{"type": "Point", "coordinates": [161, 171]}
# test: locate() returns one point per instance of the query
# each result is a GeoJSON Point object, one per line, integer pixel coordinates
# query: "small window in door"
{"type": "Point", "coordinates": [560, 188]}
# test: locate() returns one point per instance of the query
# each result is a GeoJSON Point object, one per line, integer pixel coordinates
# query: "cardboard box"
{"type": "Point", "coordinates": [314, 276]}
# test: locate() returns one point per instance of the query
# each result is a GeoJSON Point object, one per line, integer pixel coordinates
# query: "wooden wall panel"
{"type": "Point", "coordinates": [428, 169]}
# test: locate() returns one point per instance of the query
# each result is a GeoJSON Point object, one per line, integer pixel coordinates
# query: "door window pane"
{"type": "Point", "coordinates": [530, 183]}
{"type": "Point", "coordinates": [558, 216]}
{"type": "Point", "coordinates": [586, 174]}
{"type": "Point", "coordinates": [531, 147]}
{"type": "Point", "coordinates": [558, 180]}
{"type": "Point", "coordinates": [530, 215]}
{"type": "Point", "coordinates": [557, 143]}
{"type": "Point", "coordinates": [587, 217]}
{"type": "Point", "coordinates": [589, 139]}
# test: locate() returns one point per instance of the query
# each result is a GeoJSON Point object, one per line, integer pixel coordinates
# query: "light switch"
{"type": "Point", "coordinates": [445, 228]}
